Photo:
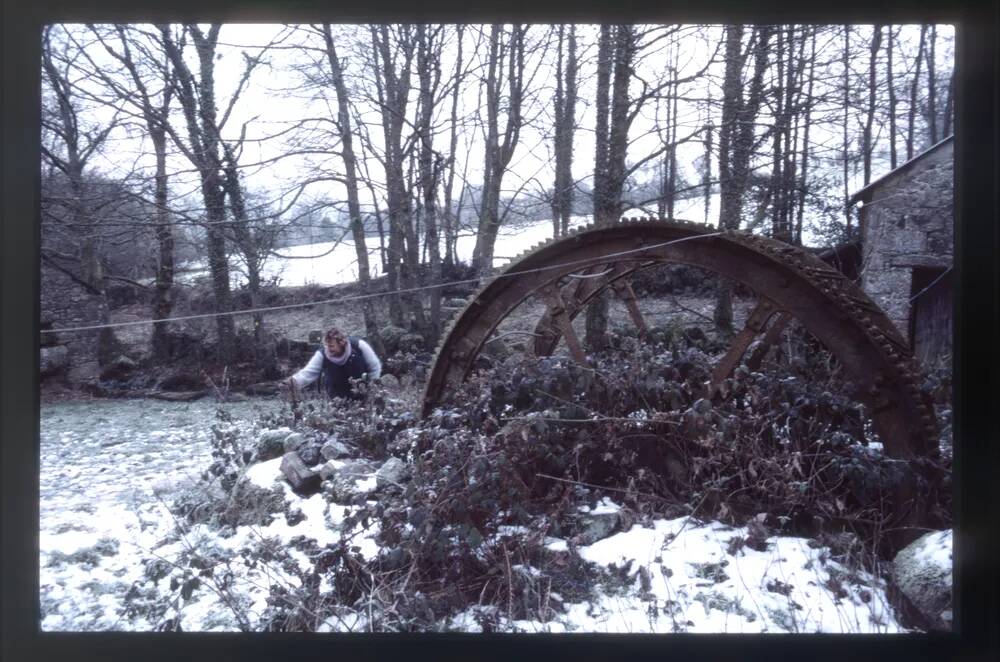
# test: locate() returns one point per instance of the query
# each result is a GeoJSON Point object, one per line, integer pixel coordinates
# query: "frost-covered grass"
{"type": "Point", "coordinates": [108, 468]}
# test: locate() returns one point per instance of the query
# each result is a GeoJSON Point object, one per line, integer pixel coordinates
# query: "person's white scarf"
{"type": "Point", "coordinates": [342, 359]}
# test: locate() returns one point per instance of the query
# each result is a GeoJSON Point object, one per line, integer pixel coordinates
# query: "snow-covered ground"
{"type": "Point", "coordinates": [110, 467]}
{"type": "Point", "coordinates": [696, 585]}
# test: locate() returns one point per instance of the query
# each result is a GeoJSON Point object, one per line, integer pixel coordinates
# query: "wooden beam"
{"type": "Point", "coordinates": [623, 288]}
{"type": "Point", "coordinates": [754, 325]}
{"type": "Point", "coordinates": [559, 315]}
{"type": "Point", "coordinates": [770, 338]}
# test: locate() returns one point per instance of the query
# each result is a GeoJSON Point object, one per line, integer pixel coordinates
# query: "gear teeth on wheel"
{"type": "Point", "coordinates": [854, 305]}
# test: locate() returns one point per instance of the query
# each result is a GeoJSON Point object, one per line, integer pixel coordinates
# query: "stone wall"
{"type": "Point", "coordinates": [907, 223]}
{"type": "Point", "coordinates": [65, 303]}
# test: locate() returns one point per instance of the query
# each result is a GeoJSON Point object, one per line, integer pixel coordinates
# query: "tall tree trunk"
{"type": "Point", "coordinates": [565, 119]}
{"type": "Point", "coordinates": [706, 171]}
{"type": "Point", "coordinates": [663, 164]}
{"type": "Point", "coordinates": [777, 194]}
{"type": "Point", "coordinates": [557, 138]}
{"type": "Point", "coordinates": [793, 124]}
{"type": "Point", "coordinates": [429, 73]}
{"type": "Point", "coordinates": [730, 195]}
{"type": "Point", "coordinates": [867, 139]}
{"type": "Point", "coordinates": [198, 103]}
{"type": "Point", "coordinates": [392, 96]}
{"type": "Point", "coordinates": [450, 218]}
{"type": "Point", "coordinates": [155, 118]}
{"type": "Point", "coordinates": [740, 139]}
{"type": "Point", "coordinates": [498, 154]}
{"type": "Point", "coordinates": [596, 316]}
{"type": "Point", "coordinates": [846, 144]}
{"type": "Point", "coordinates": [672, 152]}
{"type": "Point", "coordinates": [932, 118]}
{"type": "Point", "coordinates": [569, 128]}
{"type": "Point", "coordinates": [891, 82]}
{"type": "Point", "coordinates": [482, 256]}
{"type": "Point", "coordinates": [804, 177]}
{"type": "Point", "coordinates": [602, 137]}
{"type": "Point", "coordinates": [91, 272]}
{"type": "Point", "coordinates": [351, 184]}
{"type": "Point", "coordinates": [619, 43]}
{"type": "Point", "coordinates": [163, 290]}
{"type": "Point", "coordinates": [949, 104]}
{"type": "Point", "coordinates": [460, 205]}
{"type": "Point", "coordinates": [249, 246]}
{"type": "Point", "coordinates": [914, 86]}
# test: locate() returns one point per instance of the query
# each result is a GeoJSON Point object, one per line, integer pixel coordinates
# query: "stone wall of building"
{"type": "Point", "coordinates": [65, 303]}
{"type": "Point", "coordinates": [907, 223]}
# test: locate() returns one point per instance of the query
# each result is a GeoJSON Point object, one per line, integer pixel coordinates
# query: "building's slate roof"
{"type": "Point", "coordinates": [892, 173]}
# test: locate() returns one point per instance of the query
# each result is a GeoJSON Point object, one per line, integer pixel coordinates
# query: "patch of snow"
{"type": "Point", "coordinates": [695, 585]}
{"type": "Point", "coordinates": [936, 549]}
{"type": "Point", "coordinates": [104, 511]}
{"type": "Point", "coordinates": [366, 484]}
{"type": "Point", "coordinates": [556, 544]}
{"type": "Point", "coordinates": [264, 474]}
{"type": "Point", "coordinates": [512, 530]}
{"type": "Point", "coordinates": [605, 506]}
{"type": "Point", "coordinates": [347, 622]}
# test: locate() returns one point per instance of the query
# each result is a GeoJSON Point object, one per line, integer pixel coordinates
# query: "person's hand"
{"type": "Point", "coordinates": [288, 389]}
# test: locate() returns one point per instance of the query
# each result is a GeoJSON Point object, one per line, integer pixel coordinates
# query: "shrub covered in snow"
{"type": "Point", "coordinates": [550, 496]}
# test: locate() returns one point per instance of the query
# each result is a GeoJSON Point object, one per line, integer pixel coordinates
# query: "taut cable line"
{"type": "Point", "coordinates": [361, 297]}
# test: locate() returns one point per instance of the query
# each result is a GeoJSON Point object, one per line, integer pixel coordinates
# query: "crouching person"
{"type": "Point", "coordinates": [340, 359]}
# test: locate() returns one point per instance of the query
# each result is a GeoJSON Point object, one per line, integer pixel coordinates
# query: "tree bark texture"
{"type": "Point", "coordinates": [351, 184]}
{"type": "Point", "coordinates": [616, 53]}
{"type": "Point", "coordinates": [509, 51]}
{"type": "Point", "coordinates": [739, 122]}
{"type": "Point", "coordinates": [197, 98]}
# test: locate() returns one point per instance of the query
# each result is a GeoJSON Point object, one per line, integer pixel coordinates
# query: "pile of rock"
{"type": "Point", "coordinates": [311, 465]}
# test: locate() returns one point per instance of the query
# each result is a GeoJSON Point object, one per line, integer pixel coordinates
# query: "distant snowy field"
{"type": "Point", "coordinates": [333, 263]}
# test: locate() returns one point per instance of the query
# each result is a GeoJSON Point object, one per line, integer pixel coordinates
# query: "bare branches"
{"type": "Point", "coordinates": [420, 132]}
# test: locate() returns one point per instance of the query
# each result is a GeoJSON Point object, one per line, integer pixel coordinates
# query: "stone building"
{"type": "Point", "coordinates": [907, 247]}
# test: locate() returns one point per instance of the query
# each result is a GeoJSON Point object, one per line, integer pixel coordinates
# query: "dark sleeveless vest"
{"type": "Point", "coordinates": [335, 377]}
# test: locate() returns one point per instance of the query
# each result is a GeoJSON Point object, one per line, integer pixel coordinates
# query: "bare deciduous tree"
{"type": "Point", "coordinates": [346, 132]}
{"type": "Point", "coordinates": [77, 142]}
{"type": "Point", "coordinates": [197, 98]}
{"type": "Point", "coordinates": [737, 137]}
{"type": "Point", "coordinates": [505, 69]}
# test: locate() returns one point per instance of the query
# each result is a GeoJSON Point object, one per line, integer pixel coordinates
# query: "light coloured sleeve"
{"type": "Point", "coordinates": [374, 365]}
{"type": "Point", "coordinates": [310, 373]}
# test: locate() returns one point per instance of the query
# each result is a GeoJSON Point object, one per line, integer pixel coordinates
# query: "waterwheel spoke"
{"type": "Point", "coordinates": [754, 325]}
{"type": "Point", "coordinates": [579, 289]}
{"type": "Point", "coordinates": [574, 290]}
{"type": "Point", "coordinates": [623, 288]}
{"type": "Point", "coordinates": [825, 304]}
{"type": "Point", "coordinates": [771, 336]}
{"type": "Point", "coordinates": [558, 314]}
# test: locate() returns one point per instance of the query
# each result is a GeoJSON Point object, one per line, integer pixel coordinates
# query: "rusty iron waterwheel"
{"type": "Point", "coordinates": [790, 285]}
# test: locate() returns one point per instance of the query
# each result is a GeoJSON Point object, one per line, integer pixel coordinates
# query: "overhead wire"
{"type": "Point", "coordinates": [373, 295]}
